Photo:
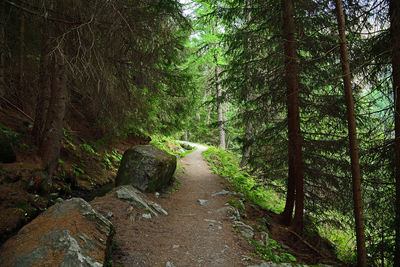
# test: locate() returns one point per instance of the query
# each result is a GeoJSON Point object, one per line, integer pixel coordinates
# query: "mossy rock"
{"type": "Point", "coordinates": [147, 168]}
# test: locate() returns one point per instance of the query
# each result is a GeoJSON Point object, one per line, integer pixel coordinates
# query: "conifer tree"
{"type": "Point", "coordinates": [353, 147]}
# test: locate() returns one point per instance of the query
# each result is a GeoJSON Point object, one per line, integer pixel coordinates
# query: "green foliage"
{"type": "Point", "coordinates": [226, 165]}
{"type": "Point", "coordinates": [12, 137]}
{"type": "Point", "coordinates": [88, 148]}
{"type": "Point", "coordinates": [169, 145]}
{"type": "Point", "coordinates": [272, 251]}
{"type": "Point", "coordinates": [112, 160]}
{"type": "Point", "coordinates": [344, 240]}
{"type": "Point", "coordinates": [76, 170]}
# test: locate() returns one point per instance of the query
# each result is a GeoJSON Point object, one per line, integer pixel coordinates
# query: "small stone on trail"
{"type": "Point", "coordinates": [175, 246]}
{"type": "Point", "coordinates": [158, 208]}
{"type": "Point", "coordinates": [211, 224]}
{"type": "Point", "coordinates": [202, 201]}
{"type": "Point", "coordinates": [229, 213]}
{"type": "Point", "coordinates": [240, 224]}
{"type": "Point", "coordinates": [246, 258]}
{"type": "Point", "coordinates": [169, 264]}
{"type": "Point", "coordinates": [146, 216]}
{"type": "Point", "coordinates": [132, 195]}
{"type": "Point", "coordinates": [109, 214]}
{"type": "Point", "coordinates": [219, 227]}
{"type": "Point", "coordinates": [265, 238]}
{"type": "Point", "coordinates": [157, 194]}
{"type": "Point", "coordinates": [246, 233]}
{"type": "Point", "coordinates": [223, 192]}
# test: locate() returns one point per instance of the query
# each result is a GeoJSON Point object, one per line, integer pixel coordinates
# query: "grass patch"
{"type": "Point", "coordinates": [169, 145]}
{"type": "Point", "coordinates": [226, 165]}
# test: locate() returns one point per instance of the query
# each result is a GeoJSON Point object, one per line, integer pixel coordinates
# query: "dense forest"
{"type": "Point", "coordinates": [303, 92]}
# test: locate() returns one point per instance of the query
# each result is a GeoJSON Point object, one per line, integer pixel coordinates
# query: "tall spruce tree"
{"type": "Point", "coordinates": [353, 147]}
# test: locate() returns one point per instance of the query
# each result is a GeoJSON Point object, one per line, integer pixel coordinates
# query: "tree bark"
{"type": "Point", "coordinates": [2, 47]}
{"type": "Point", "coordinates": [246, 149]}
{"type": "Point", "coordinates": [248, 131]}
{"type": "Point", "coordinates": [21, 53]}
{"type": "Point", "coordinates": [394, 11]}
{"type": "Point", "coordinates": [53, 131]}
{"type": "Point", "coordinates": [43, 94]}
{"type": "Point", "coordinates": [355, 166]}
{"type": "Point", "coordinates": [221, 122]}
{"type": "Point", "coordinates": [295, 177]}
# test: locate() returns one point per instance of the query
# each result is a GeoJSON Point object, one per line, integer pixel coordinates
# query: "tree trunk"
{"type": "Point", "coordinates": [53, 131]}
{"type": "Point", "coordinates": [355, 166]}
{"type": "Point", "coordinates": [222, 143]}
{"type": "Point", "coordinates": [246, 149]}
{"type": "Point", "coordinates": [42, 101]}
{"type": "Point", "coordinates": [295, 177]}
{"type": "Point", "coordinates": [248, 131]}
{"type": "Point", "coordinates": [394, 11]}
{"type": "Point", "coordinates": [2, 47]}
{"type": "Point", "coordinates": [21, 53]}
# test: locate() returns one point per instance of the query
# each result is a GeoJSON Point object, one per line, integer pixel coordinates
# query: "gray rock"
{"type": "Point", "coordinates": [175, 246]}
{"type": "Point", "coordinates": [265, 238]}
{"type": "Point", "coordinates": [229, 213]}
{"type": "Point", "coordinates": [247, 233]}
{"type": "Point", "coordinates": [147, 168]}
{"type": "Point", "coordinates": [241, 225]}
{"type": "Point", "coordinates": [169, 264]}
{"type": "Point", "coordinates": [223, 192]}
{"type": "Point", "coordinates": [246, 230]}
{"type": "Point", "coordinates": [211, 221]}
{"type": "Point", "coordinates": [132, 195]}
{"type": "Point", "coordinates": [109, 214]}
{"type": "Point", "coordinates": [68, 234]}
{"type": "Point", "coordinates": [158, 208]}
{"type": "Point", "coordinates": [146, 216]}
{"type": "Point", "coordinates": [202, 202]}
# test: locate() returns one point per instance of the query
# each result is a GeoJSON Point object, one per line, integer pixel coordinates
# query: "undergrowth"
{"type": "Point", "coordinates": [226, 165]}
{"type": "Point", "coordinates": [169, 145]}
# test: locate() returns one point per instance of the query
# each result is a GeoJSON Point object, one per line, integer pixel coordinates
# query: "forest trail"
{"type": "Point", "coordinates": [192, 234]}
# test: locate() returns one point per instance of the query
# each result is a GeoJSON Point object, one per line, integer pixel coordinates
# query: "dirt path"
{"type": "Point", "coordinates": [191, 235]}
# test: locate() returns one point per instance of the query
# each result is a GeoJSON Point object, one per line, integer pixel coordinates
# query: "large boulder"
{"type": "Point", "coordinates": [69, 234]}
{"type": "Point", "coordinates": [146, 167]}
